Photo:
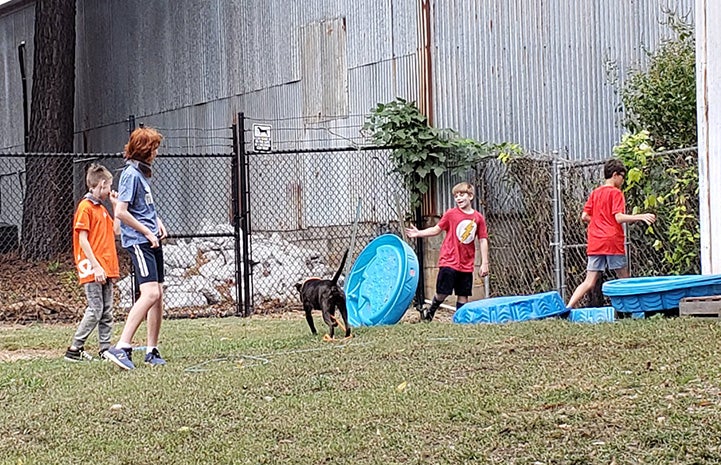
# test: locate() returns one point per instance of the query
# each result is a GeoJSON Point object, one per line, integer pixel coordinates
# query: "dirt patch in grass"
{"type": "Point", "coordinates": [48, 292]}
{"type": "Point", "coordinates": [7, 356]}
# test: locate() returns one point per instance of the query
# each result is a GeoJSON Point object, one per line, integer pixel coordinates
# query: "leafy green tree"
{"type": "Point", "coordinates": [662, 98]}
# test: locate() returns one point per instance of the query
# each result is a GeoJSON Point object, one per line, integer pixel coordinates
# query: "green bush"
{"type": "Point", "coordinates": [421, 152]}
{"type": "Point", "coordinates": [660, 109]}
{"type": "Point", "coordinates": [666, 184]}
{"type": "Point", "coordinates": [662, 98]}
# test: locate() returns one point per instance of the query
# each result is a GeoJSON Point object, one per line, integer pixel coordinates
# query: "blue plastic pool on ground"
{"type": "Point", "coordinates": [511, 308]}
{"type": "Point", "coordinates": [592, 315]}
{"type": "Point", "coordinates": [649, 294]}
{"type": "Point", "coordinates": [382, 282]}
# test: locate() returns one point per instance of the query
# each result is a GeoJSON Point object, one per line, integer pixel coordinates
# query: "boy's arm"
{"type": "Point", "coordinates": [161, 229]}
{"type": "Point", "coordinates": [483, 271]}
{"type": "Point", "coordinates": [116, 221]}
{"type": "Point", "coordinates": [121, 212]}
{"type": "Point", "coordinates": [88, 250]}
{"type": "Point", "coordinates": [585, 217]}
{"type": "Point", "coordinates": [414, 232]}
{"type": "Point", "coordinates": [647, 218]}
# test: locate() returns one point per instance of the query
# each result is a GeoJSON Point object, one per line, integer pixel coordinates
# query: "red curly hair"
{"type": "Point", "coordinates": [142, 145]}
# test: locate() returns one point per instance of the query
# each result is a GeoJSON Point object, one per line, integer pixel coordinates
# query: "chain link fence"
{"type": "Point", "coordinates": [533, 205]}
{"type": "Point", "coordinates": [194, 198]}
{"type": "Point", "coordinates": [302, 208]}
{"type": "Point", "coordinates": [308, 207]}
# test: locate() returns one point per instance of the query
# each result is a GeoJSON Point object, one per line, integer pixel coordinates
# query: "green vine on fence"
{"type": "Point", "coordinates": [666, 184]}
{"type": "Point", "coordinates": [421, 152]}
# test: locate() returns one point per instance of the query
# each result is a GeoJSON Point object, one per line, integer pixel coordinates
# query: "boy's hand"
{"type": "Point", "coordinates": [647, 218]}
{"type": "Point", "coordinates": [100, 276]}
{"type": "Point", "coordinates": [483, 270]}
{"type": "Point", "coordinates": [162, 231]}
{"type": "Point", "coordinates": [153, 239]}
{"type": "Point", "coordinates": [113, 198]}
{"type": "Point", "coordinates": [412, 232]}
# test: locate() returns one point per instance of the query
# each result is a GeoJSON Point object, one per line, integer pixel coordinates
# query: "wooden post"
{"type": "Point", "coordinates": [708, 95]}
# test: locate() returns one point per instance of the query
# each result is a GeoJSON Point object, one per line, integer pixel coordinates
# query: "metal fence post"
{"type": "Point", "coordinates": [136, 287]}
{"type": "Point", "coordinates": [235, 174]}
{"type": "Point", "coordinates": [131, 124]}
{"type": "Point", "coordinates": [244, 217]}
{"type": "Point", "coordinates": [558, 226]}
{"type": "Point", "coordinates": [421, 289]}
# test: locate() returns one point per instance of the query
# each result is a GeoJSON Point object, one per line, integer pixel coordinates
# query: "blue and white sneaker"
{"type": "Point", "coordinates": [153, 358]}
{"type": "Point", "coordinates": [121, 357]}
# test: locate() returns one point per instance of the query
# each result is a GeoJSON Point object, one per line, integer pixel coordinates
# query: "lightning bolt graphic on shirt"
{"type": "Point", "coordinates": [467, 231]}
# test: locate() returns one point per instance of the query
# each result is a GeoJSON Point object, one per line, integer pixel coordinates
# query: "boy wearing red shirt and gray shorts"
{"type": "Point", "coordinates": [605, 213]}
{"type": "Point", "coordinates": [462, 225]}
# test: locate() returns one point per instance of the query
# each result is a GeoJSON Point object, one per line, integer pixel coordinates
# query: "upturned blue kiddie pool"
{"type": "Point", "coordinates": [382, 282]}
{"type": "Point", "coordinates": [511, 308]}
{"type": "Point", "coordinates": [655, 293]}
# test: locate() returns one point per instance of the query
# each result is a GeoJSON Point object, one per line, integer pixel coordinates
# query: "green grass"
{"type": "Point", "coordinates": [265, 391]}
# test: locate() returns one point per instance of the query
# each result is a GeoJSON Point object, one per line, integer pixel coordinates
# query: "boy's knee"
{"type": "Point", "coordinates": [151, 292]}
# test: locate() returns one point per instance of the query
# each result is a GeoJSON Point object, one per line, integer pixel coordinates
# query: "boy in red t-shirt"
{"type": "Point", "coordinates": [458, 252]}
{"type": "Point", "coordinates": [605, 212]}
{"type": "Point", "coordinates": [96, 260]}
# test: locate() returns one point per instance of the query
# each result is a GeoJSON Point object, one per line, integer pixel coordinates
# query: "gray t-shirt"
{"type": "Point", "coordinates": [134, 189]}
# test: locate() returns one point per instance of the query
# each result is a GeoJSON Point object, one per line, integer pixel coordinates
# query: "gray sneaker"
{"type": "Point", "coordinates": [153, 358]}
{"type": "Point", "coordinates": [121, 357]}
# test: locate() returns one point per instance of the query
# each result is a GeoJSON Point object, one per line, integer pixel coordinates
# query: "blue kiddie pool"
{"type": "Point", "coordinates": [511, 308]}
{"type": "Point", "coordinates": [632, 295]}
{"type": "Point", "coordinates": [382, 282]}
{"type": "Point", "coordinates": [592, 315]}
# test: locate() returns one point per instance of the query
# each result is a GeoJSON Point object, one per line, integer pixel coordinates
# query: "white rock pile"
{"type": "Point", "coordinates": [201, 272]}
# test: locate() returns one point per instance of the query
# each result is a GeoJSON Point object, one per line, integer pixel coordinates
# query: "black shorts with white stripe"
{"type": "Point", "coordinates": [147, 263]}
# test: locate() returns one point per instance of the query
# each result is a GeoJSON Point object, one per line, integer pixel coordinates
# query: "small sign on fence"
{"type": "Point", "coordinates": [261, 137]}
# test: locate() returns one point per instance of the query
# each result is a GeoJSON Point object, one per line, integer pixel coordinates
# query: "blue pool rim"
{"type": "Point", "coordinates": [654, 293]}
{"type": "Point", "coordinates": [507, 309]}
{"type": "Point", "coordinates": [402, 282]}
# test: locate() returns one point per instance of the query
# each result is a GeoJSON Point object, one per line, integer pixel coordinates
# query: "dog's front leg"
{"type": "Point", "coordinates": [309, 318]}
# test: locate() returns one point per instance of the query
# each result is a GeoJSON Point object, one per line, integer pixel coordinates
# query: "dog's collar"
{"type": "Point", "coordinates": [306, 281]}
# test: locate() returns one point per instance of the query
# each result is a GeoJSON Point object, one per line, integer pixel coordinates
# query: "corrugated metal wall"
{"type": "Point", "coordinates": [528, 71]}
{"type": "Point", "coordinates": [17, 24]}
{"type": "Point", "coordinates": [156, 59]}
{"type": "Point", "coordinates": [536, 72]}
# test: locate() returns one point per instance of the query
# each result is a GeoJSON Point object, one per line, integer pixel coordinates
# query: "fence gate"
{"type": "Point", "coordinates": [302, 208]}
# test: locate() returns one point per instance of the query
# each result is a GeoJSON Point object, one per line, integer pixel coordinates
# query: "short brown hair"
{"type": "Point", "coordinates": [143, 141]}
{"type": "Point", "coordinates": [613, 166]}
{"type": "Point", "coordinates": [95, 174]}
{"type": "Point", "coordinates": [463, 187]}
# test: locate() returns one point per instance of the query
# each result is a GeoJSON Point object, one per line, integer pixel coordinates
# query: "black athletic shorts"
{"type": "Point", "coordinates": [450, 280]}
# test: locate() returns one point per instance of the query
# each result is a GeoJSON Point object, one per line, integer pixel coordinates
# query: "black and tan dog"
{"type": "Point", "coordinates": [325, 295]}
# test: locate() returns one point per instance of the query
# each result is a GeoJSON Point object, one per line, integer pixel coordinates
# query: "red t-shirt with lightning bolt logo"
{"type": "Point", "coordinates": [458, 250]}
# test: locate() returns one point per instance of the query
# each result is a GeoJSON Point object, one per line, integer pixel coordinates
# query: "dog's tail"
{"type": "Point", "coordinates": [340, 268]}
